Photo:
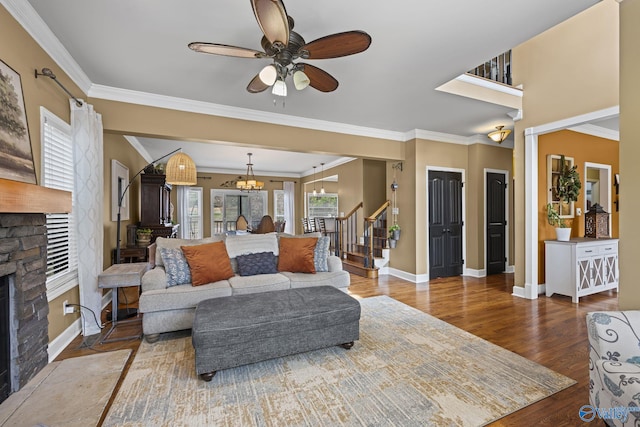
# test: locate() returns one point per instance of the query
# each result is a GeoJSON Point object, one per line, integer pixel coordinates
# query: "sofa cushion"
{"type": "Point", "coordinates": [321, 253]}
{"type": "Point", "coordinates": [208, 263]}
{"type": "Point", "coordinates": [176, 266]}
{"type": "Point", "coordinates": [337, 279]}
{"type": "Point", "coordinates": [251, 284]}
{"type": "Point", "coordinates": [251, 243]}
{"type": "Point", "coordinates": [297, 254]}
{"type": "Point", "coordinates": [182, 296]}
{"type": "Point", "coordinates": [258, 263]}
{"type": "Point", "coordinates": [163, 242]}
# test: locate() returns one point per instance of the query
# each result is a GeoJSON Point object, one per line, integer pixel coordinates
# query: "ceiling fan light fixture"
{"type": "Point", "coordinates": [300, 80]}
{"type": "Point", "coordinates": [279, 88]}
{"type": "Point", "coordinates": [268, 75]}
{"type": "Point", "coordinates": [499, 134]}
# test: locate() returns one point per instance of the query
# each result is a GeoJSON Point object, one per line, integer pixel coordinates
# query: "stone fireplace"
{"type": "Point", "coordinates": [23, 264]}
{"type": "Point", "coordinates": [23, 252]}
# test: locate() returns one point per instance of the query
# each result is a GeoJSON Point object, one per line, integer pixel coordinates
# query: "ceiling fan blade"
{"type": "Point", "coordinates": [319, 79]}
{"type": "Point", "coordinates": [337, 45]}
{"type": "Point", "coordinates": [256, 85]}
{"type": "Point", "coordinates": [226, 50]}
{"type": "Point", "coordinates": [272, 19]}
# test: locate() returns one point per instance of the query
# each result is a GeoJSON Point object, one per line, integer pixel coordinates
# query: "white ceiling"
{"type": "Point", "coordinates": [417, 46]}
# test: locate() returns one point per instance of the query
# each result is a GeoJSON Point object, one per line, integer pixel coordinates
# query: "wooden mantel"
{"type": "Point", "coordinates": [20, 197]}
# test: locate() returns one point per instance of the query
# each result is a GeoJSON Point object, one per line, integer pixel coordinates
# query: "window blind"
{"type": "Point", "coordinates": [58, 173]}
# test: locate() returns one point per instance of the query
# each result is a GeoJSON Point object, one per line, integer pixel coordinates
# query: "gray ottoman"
{"type": "Point", "coordinates": [241, 329]}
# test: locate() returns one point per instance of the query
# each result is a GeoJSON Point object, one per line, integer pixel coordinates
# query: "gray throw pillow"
{"type": "Point", "coordinates": [257, 263]}
{"type": "Point", "coordinates": [175, 264]}
{"type": "Point", "coordinates": [321, 253]}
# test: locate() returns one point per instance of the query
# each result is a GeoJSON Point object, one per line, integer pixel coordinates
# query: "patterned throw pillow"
{"type": "Point", "coordinates": [321, 253]}
{"type": "Point", "coordinates": [176, 266]}
{"type": "Point", "coordinates": [257, 263]}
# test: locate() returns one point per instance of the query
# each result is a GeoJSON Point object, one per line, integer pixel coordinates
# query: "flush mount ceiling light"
{"type": "Point", "coordinates": [284, 46]}
{"type": "Point", "coordinates": [249, 183]}
{"type": "Point", "coordinates": [499, 135]}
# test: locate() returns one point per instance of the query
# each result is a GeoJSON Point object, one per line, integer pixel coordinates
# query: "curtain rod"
{"type": "Point", "coordinates": [48, 73]}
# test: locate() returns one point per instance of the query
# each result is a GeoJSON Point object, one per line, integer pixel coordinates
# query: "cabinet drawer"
{"type": "Point", "coordinates": [608, 249]}
{"type": "Point", "coordinates": [587, 251]}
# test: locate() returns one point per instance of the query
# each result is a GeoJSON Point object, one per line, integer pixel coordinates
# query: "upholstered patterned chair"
{"type": "Point", "coordinates": [614, 364]}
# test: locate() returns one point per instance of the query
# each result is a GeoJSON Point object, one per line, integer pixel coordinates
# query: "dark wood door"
{"type": "Point", "coordinates": [445, 224]}
{"type": "Point", "coordinates": [496, 223]}
{"type": "Point", "coordinates": [5, 360]}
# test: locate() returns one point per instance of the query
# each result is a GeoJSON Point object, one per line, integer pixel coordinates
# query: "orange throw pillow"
{"type": "Point", "coordinates": [296, 254]}
{"type": "Point", "coordinates": [208, 263]}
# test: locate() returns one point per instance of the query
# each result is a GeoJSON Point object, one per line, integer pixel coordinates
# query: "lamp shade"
{"type": "Point", "coordinates": [279, 88]}
{"type": "Point", "coordinates": [300, 80]}
{"type": "Point", "coordinates": [181, 170]}
{"type": "Point", "coordinates": [268, 75]}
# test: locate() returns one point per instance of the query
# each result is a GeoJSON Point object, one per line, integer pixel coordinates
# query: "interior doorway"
{"type": "Point", "coordinates": [445, 223]}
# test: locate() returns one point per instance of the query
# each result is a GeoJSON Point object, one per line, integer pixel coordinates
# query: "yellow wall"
{"type": "Point", "coordinates": [583, 148]}
{"type": "Point", "coordinates": [569, 70]}
{"type": "Point", "coordinates": [629, 297]}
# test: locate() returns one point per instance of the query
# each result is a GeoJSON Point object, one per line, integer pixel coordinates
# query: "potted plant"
{"type": "Point", "coordinates": [567, 190]}
{"type": "Point", "coordinates": [144, 236]}
{"type": "Point", "coordinates": [563, 233]}
{"type": "Point", "coordinates": [392, 243]}
{"type": "Point", "coordinates": [394, 232]}
{"type": "Point", "coordinates": [569, 185]}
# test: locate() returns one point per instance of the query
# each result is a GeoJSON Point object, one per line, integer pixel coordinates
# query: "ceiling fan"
{"type": "Point", "coordinates": [284, 47]}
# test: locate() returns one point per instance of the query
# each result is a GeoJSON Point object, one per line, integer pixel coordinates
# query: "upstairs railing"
{"type": "Point", "coordinates": [347, 228]}
{"type": "Point", "coordinates": [497, 69]}
{"type": "Point", "coordinates": [375, 233]}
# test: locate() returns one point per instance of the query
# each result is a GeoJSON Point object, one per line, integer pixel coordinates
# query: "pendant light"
{"type": "Point", "coordinates": [315, 193]}
{"type": "Point", "coordinates": [322, 179]}
{"type": "Point", "coordinates": [249, 183]}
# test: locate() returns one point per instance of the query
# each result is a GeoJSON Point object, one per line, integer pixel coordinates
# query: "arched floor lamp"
{"type": "Point", "coordinates": [180, 170]}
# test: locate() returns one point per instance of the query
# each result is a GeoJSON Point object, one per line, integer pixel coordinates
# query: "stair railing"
{"type": "Point", "coordinates": [375, 233]}
{"type": "Point", "coordinates": [347, 232]}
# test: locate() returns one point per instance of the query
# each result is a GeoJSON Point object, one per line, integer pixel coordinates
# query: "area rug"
{"type": "Point", "coordinates": [73, 392]}
{"type": "Point", "coordinates": [407, 369]}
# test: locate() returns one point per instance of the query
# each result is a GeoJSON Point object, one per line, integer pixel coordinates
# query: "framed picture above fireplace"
{"type": "Point", "coordinates": [16, 157]}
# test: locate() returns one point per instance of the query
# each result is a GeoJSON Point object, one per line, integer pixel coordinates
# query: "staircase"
{"type": "Point", "coordinates": [363, 245]}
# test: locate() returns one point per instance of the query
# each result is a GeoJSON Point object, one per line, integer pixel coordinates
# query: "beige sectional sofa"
{"type": "Point", "coordinates": [172, 308]}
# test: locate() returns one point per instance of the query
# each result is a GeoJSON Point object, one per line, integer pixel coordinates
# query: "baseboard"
{"type": "Point", "coordinates": [414, 278]}
{"type": "Point", "coordinates": [518, 291]}
{"type": "Point", "coordinates": [61, 342]}
{"type": "Point", "coordinates": [474, 273]}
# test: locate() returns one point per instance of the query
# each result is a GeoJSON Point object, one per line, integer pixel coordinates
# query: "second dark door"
{"type": "Point", "coordinates": [496, 223]}
{"type": "Point", "coordinates": [445, 224]}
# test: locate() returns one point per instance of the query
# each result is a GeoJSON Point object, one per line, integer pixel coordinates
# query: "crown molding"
{"type": "Point", "coordinates": [455, 139]}
{"type": "Point", "coordinates": [189, 105]}
{"type": "Point", "coordinates": [135, 143]}
{"type": "Point", "coordinates": [598, 131]}
{"type": "Point", "coordinates": [26, 16]}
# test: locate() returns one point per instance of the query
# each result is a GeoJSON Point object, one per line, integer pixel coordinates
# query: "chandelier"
{"type": "Point", "coordinates": [249, 183]}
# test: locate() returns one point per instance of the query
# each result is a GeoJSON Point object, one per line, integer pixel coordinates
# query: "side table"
{"type": "Point", "coordinates": [120, 276]}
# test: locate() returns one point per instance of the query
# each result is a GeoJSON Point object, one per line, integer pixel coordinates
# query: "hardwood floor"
{"type": "Point", "coordinates": [549, 331]}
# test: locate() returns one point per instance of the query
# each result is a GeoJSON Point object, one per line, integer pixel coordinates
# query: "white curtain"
{"type": "Point", "coordinates": [86, 131]}
{"type": "Point", "coordinates": [289, 207]}
{"type": "Point", "coordinates": [183, 211]}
